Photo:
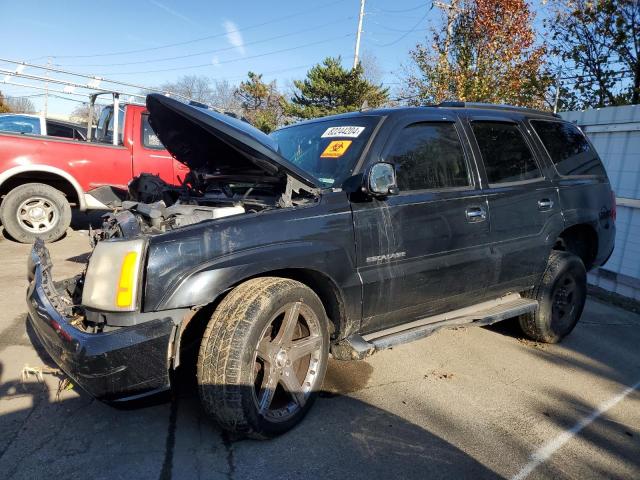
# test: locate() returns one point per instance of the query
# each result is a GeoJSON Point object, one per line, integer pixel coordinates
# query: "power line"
{"type": "Point", "coordinates": [233, 60]}
{"type": "Point", "coordinates": [26, 85]}
{"type": "Point", "coordinates": [25, 96]}
{"type": "Point", "coordinates": [208, 37]}
{"type": "Point", "coordinates": [590, 75]}
{"type": "Point", "coordinates": [94, 84]}
{"type": "Point", "coordinates": [411, 9]}
{"type": "Point", "coordinates": [206, 52]}
{"type": "Point", "coordinates": [66, 83]}
{"type": "Point", "coordinates": [392, 31]}
{"type": "Point", "coordinates": [402, 37]}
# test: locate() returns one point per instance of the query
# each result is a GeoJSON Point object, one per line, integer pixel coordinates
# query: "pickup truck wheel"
{"type": "Point", "coordinates": [561, 294]}
{"type": "Point", "coordinates": [35, 210]}
{"type": "Point", "coordinates": [263, 357]}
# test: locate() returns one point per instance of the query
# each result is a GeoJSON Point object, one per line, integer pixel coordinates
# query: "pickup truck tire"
{"type": "Point", "coordinates": [561, 294]}
{"type": "Point", "coordinates": [263, 357]}
{"type": "Point", "coordinates": [35, 210]}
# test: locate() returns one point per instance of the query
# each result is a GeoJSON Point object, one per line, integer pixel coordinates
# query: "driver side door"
{"type": "Point", "coordinates": [426, 250]}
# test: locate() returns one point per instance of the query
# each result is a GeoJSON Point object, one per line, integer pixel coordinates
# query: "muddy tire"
{"type": "Point", "coordinates": [263, 357]}
{"type": "Point", "coordinates": [33, 211]}
{"type": "Point", "coordinates": [561, 294]}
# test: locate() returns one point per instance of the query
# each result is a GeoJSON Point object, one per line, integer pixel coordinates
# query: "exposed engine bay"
{"type": "Point", "coordinates": [152, 206]}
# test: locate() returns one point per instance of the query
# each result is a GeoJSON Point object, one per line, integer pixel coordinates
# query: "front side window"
{"type": "Point", "coordinates": [569, 150]}
{"type": "Point", "coordinates": [429, 156]}
{"type": "Point", "coordinates": [149, 137]}
{"type": "Point", "coordinates": [507, 157]}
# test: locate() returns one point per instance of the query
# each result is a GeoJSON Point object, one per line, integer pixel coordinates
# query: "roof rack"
{"type": "Point", "coordinates": [494, 106]}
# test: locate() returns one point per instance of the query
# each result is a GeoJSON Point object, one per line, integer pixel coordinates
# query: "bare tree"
{"type": "Point", "coordinates": [195, 87]}
{"type": "Point", "coordinates": [373, 72]}
{"type": "Point", "coordinates": [224, 98]}
{"type": "Point", "coordinates": [598, 45]}
{"type": "Point", "coordinates": [80, 114]}
{"type": "Point", "coordinates": [20, 105]}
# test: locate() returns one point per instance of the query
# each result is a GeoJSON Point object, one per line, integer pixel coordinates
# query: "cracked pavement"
{"type": "Point", "coordinates": [464, 403]}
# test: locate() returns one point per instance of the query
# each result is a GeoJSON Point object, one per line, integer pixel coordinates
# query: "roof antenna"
{"type": "Point", "coordinates": [364, 106]}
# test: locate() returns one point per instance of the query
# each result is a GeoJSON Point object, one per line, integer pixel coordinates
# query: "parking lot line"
{"type": "Point", "coordinates": [546, 451]}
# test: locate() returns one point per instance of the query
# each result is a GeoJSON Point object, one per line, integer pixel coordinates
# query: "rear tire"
{"type": "Point", "coordinates": [561, 294]}
{"type": "Point", "coordinates": [263, 357]}
{"type": "Point", "coordinates": [35, 210]}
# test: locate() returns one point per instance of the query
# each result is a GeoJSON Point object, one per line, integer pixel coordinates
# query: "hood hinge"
{"type": "Point", "coordinates": [296, 186]}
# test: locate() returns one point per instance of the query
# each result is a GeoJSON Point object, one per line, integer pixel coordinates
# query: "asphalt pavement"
{"type": "Point", "coordinates": [466, 403]}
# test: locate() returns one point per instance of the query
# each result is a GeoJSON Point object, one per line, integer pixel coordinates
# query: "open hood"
{"type": "Point", "coordinates": [214, 143]}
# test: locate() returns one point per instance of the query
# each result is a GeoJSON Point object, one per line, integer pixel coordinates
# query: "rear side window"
{"type": "Point", "coordinates": [507, 157]}
{"type": "Point", "coordinates": [104, 130]}
{"type": "Point", "coordinates": [429, 156]}
{"type": "Point", "coordinates": [568, 148]}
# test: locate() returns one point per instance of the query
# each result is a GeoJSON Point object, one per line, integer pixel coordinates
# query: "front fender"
{"type": "Point", "coordinates": [207, 281]}
{"type": "Point", "coordinates": [194, 265]}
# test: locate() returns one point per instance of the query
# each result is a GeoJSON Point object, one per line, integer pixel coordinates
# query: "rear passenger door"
{"type": "Point", "coordinates": [523, 202]}
{"type": "Point", "coordinates": [425, 250]}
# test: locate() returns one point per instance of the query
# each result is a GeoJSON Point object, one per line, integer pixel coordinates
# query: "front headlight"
{"type": "Point", "coordinates": [113, 276]}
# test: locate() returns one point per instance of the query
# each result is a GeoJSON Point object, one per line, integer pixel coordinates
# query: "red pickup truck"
{"type": "Point", "coordinates": [41, 177]}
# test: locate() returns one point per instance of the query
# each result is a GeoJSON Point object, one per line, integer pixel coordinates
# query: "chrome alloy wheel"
{"type": "Point", "coordinates": [287, 361]}
{"type": "Point", "coordinates": [37, 215]}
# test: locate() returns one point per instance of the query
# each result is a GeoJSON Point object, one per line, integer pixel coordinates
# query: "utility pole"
{"type": "Point", "coordinates": [358, 34]}
{"type": "Point", "coordinates": [46, 91]}
{"type": "Point", "coordinates": [452, 10]}
{"type": "Point", "coordinates": [557, 98]}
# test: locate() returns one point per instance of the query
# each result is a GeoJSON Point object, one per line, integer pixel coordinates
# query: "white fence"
{"type": "Point", "coordinates": [615, 131]}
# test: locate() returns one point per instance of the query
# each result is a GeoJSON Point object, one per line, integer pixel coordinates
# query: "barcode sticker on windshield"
{"type": "Point", "coordinates": [349, 132]}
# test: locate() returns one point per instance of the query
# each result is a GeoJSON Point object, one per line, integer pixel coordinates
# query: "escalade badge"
{"type": "Point", "coordinates": [386, 258]}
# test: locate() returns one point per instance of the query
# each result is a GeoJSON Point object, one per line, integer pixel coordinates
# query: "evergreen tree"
{"type": "Point", "coordinates": [330, 88]}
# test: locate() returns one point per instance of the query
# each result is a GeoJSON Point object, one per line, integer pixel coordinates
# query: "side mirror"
{"type": "Point", "coordinates": [381, 180]}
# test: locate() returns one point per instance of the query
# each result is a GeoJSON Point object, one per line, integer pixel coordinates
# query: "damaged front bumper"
{"type": "Point", "coordinates": [121, 364]}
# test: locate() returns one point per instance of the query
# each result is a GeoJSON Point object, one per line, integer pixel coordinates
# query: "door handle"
{"type": "Point", "coordinates": [476, 214]}
{"type": "Point", "coordinates": [545, 204]}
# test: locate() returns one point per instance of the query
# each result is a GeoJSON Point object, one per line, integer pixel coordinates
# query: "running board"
{"type": "Point", "coordinates": [485, 313]}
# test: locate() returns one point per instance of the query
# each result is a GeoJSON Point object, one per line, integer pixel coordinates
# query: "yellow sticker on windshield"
{"type": "Point", "coordinates": [336, 149]}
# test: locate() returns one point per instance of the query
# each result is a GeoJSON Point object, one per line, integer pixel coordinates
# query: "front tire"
{"type": "Point", "coordinates": [561, 294]}
{"type": "Point", "coordinates": [35, 210]}
{"type": "Point", "coordinates": [263, 357]}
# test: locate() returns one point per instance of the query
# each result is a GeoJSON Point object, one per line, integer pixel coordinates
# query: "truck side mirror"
{"type": "Point", "coordinates": [380, 180]}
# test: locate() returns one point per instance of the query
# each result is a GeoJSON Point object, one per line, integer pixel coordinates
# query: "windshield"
{"type": "Point", "coordinates": [327, 149]}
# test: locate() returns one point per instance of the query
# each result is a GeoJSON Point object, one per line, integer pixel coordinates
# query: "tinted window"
{"type": "Point", "coordinates": [55, 130]}
{"type": "Point", "coordinates": [568, 148]}
{"type": "Point", "coordinates": [506, 155]}
{"type": "Point", "coordinates": [428, 156]}
{"type": "Point", "coordinates": [149, 137]}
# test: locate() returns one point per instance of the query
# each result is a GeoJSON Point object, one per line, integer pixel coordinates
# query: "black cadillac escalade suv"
{"type": "Point", "coordinates": [338, 236]}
